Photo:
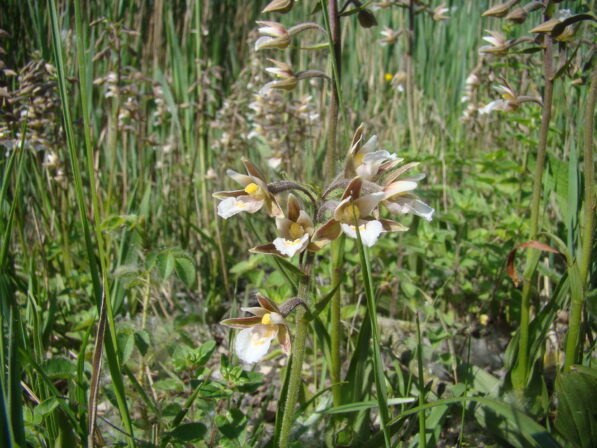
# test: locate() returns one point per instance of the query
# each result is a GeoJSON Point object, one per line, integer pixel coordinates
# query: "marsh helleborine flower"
{"type": "Point", "coordinates": [295, 229]}
{"type": "Point", "coordinates": [257, 332]}
{"type": "Point", "coordinates": [250, 199]}
{"type": "Point", "coordinates": [365, 160]}
{"type": "Point", "coordinates": [355, 210]}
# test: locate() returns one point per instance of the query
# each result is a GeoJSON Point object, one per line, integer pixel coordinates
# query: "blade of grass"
{"type": "Point", "coordinates": [422, 425]}
{"type": "Point", "coordinates": [102, 302]}
{"type": "Point", "coordinates": [380, 381]}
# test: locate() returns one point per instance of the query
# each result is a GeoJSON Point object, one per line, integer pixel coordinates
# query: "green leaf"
{"type": "Point", "coordinates": [59, 368]}
{"type": "Point", "coordinates": [205, 352]}
{"type": "Point", "coordinates": [291, 268]}
{"type": "Point", "coordinates": [577, 406]}
{"type": "Point", "coordinates": [47, 406]}
{"type": "Point", "coordinates": [246, 266]}
{"type": "Point", "coordinates": [185, 269]}
{"type": "Point", "coordinates": [125, 342]}
{"type": "Point", "coordinates": [142, 341]}
{"type": "Point", "coordinates": [165, 262]}
{"type": "Point", "coordinates": [189, 432]}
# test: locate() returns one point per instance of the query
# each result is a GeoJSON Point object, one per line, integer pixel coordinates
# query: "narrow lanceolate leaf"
{"type": "Point", "coordinates": [380, 381]}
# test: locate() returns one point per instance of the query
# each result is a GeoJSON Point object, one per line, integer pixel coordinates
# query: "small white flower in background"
{"type": "Point", "coordinates": [286, 79]}
{"type": "Point", "coordinates": [389, 36]}
{"type": "Point", "coordinates": [275, 36]}
{"type": "Point", "coordinates": [257, 332]}
{"type": "Point", "coordinates": [508, 103]}
{"type": "Point", "coordinates": [251, 199]}
{"type": "Point", "coordinates": [498, 44]}
{"type": "Point", "coordinates": [439, 13]}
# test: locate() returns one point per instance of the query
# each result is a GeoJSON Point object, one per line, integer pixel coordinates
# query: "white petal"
{"type": "Point", "coordinates": [496, 105]}
{"type": "Point", "coordinates": [367, 203]}
{"type": "Point", "coordinates": [231, 206]}
{"type": "Point", "coordinates": [411, 205]}
{"type": "Point", "coordinates": [398, 187]}
{"type": "Point", "coordinates": [262, 42]}
{"type": "Point", "coordinates": [371, 163]}
{"type": "Point", "coordinates": [242, 179]}
{"type": "Point", "coordinates": [291, 247]}
{"type": "Point", "coordinates": [369, 231]}
{"type": "Point", "coordinates": [370, 145]}
{"type": "Point", "coordinates": [252, 344]}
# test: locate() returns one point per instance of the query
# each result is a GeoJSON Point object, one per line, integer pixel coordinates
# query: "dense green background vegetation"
{"type": "Point", "coordinates": [118, 121]}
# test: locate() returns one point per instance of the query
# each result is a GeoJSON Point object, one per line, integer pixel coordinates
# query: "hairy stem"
{"type": "Point", "coordinates": [336, 47]}
{"type": "Point", "coordinates": [298, 353]}
{"type": "Point", "coordinates": [336, 330]}
{"type": "Point", "coordinates": [589, 220]}
{"type": "Point", "coordinates": [532, 255]}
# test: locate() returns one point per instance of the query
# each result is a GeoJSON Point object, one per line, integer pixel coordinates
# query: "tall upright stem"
{"type": "Point", "coordinates": [410, 81]}
{"type": "Point", "coordinates": [298, 352]}
{"type": "Point", "coordinates": [589, 221]}
{"type": "Point", "coordinates": [578, 296]}
{"type": "Point", "coordinates": [336, 330]}
{"type": "Point", "coordinates": [336, 44]}
{"type": "Point", "coordinates": [533, 255]}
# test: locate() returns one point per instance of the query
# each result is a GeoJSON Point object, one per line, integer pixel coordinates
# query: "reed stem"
{"type": "Point", "coordinates": [532, 254]}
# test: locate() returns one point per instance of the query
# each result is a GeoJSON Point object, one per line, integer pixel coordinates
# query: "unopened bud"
{"type": "Point", "coordinates": [281, 6]}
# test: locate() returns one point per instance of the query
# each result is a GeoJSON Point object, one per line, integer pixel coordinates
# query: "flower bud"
{"type": "Point", "coordinates": [281, 6]}
{"type": "Point", "coordinates": [275, 36]}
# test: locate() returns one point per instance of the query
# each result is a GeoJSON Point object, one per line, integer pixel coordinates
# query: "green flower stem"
{"type": "Point", "coordinates": [589, 221]}
{"type": "Point", "coordinates": [579, 293]}
{"type": "Point", "coordinates": [532, 255]}
{"type": "Point", "coordinates": [337, 261]}
{"type": "Point", "coordinates": [298, 353]}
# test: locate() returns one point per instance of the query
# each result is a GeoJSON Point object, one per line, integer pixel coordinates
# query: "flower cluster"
{"type": "Point", "coordinates": [372, 179]}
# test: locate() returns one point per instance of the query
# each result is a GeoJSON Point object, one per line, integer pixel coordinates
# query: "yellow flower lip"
{"type": "Point", "coordinates": [252, 188]}
{"type": "Point", "coordinates": [350, 212]}
{"type": "Point", "coordinates": [266, 319]}
{"type": "Point", "coordinates": [296, 231]}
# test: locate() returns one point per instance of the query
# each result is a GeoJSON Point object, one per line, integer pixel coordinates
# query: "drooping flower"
{"type": "Point", "coordinates": [285, 77]}
{"type": "Point", "coordinates": [355, 211]}
{"type": "Point", "coordinates": [398, 193]}
{"type": "Point", "coordinates": [389, 36]}
{"type": "Point", "coordinates": [295, 229]}
{"type": "Point", "coordinates": [365, 160]}
{"type": "Point", "coordinates": [439, 13]}
{"type": "Point", "coordinates": [257, 332]}
{"type": "Point", "coordinates": [275, 35]}
{"type": "Point", "coordinates": [251, 199]}
{"type": "Point", "coordinates": [510, 101]}
{"type": "Point", "coordinates": [498, 44]}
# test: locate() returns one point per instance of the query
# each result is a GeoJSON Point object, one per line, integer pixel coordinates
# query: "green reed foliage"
{"type": "Point", "coordinates": [100, 287]}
